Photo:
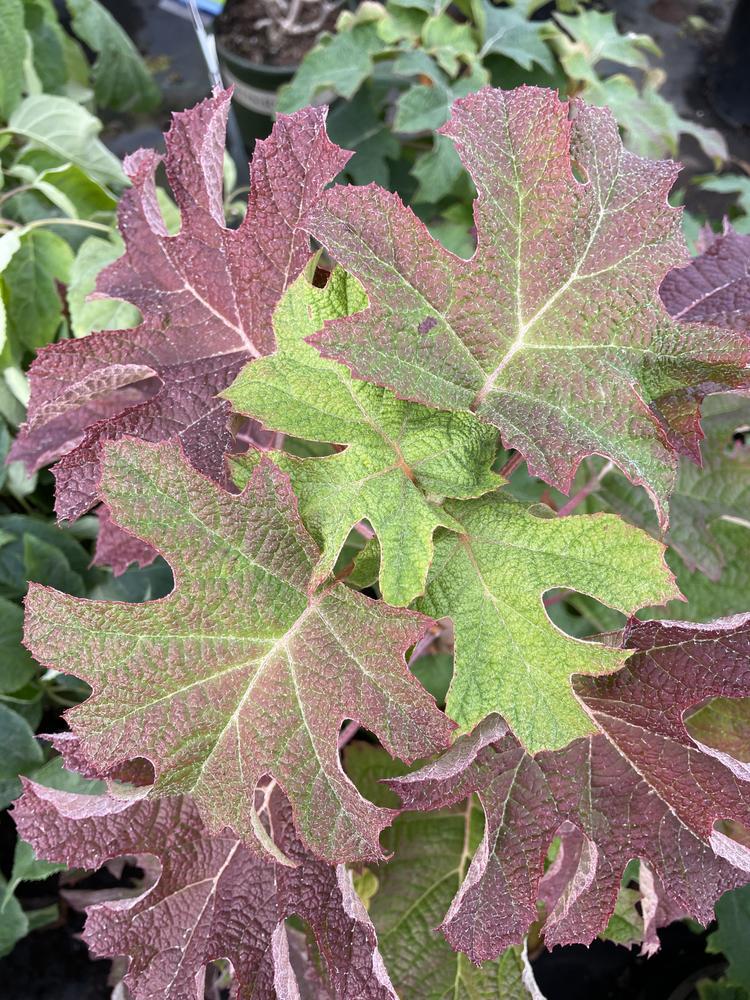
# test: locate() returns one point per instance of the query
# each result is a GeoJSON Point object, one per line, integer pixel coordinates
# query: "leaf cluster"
{"type": "Point", "coordinates": [358, 478]}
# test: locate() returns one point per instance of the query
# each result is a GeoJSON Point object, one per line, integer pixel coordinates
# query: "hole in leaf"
{"type": "Point", "coordinates": [578, 172]}
{"type": "Point", "coordinates": [579, 615]}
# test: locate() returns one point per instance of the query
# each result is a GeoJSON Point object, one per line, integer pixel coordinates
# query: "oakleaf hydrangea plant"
{"type": "Point", "coordinates": [355, 461]}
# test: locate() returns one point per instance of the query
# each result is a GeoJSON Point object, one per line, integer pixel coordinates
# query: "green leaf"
{"type": "Point", "coordinates": [431, 854]}
{"type": "Point", "coordinates": [339, 63]}
{"type": "Point", "coordinates": [437, 171]}
{"type": "Point", "coordinates": [121, 79]}
{"type": "Point", "coordinates": [15, 529]}
{"type": "Point", "coordinates": [422, 108]}
{"type": "Point", "coordinates": [507, 32]}
{"type": "Point", "coordinates": [12, 52]}
{"type": "Point", "coordinates": [16, 663]}
{"type": "Point", "coordinates": [47, 44]}
{"type": "Point", "coordinates": [490, 579]}
{"type": "Point", "coordinates": [47, 564]}
{"type": "Point", "coordinates": [709, 530]}
{"type": "Point", "coordinates": [26, 868]}
{"type": "Point", "coordinates": [721, 990]}
{"type": "Point", "coordinates": [93, 256]}
{"type": "Point", "coordinates": [731, 936]}
{"type": "Point", "coordinates": [32, 300]}
{"type": "Point", "coordinates": [592, 37]}
{"type": "Point", "coordinates": [400, 457]}
{"type": "Point", "coordinates": [13, 922]}
{"type": "Point", "coordinates": [21, 753]}
{"type": "Point", "coordinates": [451, 42]}
{"type": "Point", "coordinates": [67, 129]}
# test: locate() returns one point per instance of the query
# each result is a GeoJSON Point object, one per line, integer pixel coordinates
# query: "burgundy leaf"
{"type": "Point", "coordinates": [207, 897]}
{"type": "Point", "coordinates": [642, 789]}
{"type": "Point", "coordinates": [118, 548]}
{"type": "Point", "coordinates": [206, 294]}
{"type": "Point", "coordinates": [554, 331]}
{"type": "Point", "coordinates": [715, 286]}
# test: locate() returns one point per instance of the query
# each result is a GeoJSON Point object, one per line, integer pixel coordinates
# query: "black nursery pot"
{"type": "Point", "coordinates": [256, 90]}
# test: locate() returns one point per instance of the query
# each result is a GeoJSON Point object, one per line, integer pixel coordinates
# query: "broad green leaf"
{"type": "Point", "coordinates": [731, 936]}
{"type": "Point", "coordinates": [422, 108]}
{"type": "Point", "coordinates": [67, 129]}
{"type": "Point", "coordinates": [400, 459]}
{"type": "Point", "coordinates": [47, 564]}
{"type": "Point", "coordinates": [32, 299]}
{"type": "Point", "coordinates": [21, 753]}
{"type": "Point", "coordinates": [14, 924]}
{"type": "Point", "coordinates": [709, 528]}
{"type": "Point", "coordinates": [451, 42]}
{"type": "Point", "coordinates": [430, 858]}
{"type": "Point", "coordinates": [490, 579]}
{"type": "Point", "coordinates": [93, 256]}
{"type": "Point", "coordinates": [241, 671]}
{"type": "Point", "coordinates": [47, 40]}
{"type": "Point", "coordinates": [12, 50]}
{"type": "Point", "coordinates": [721, 989]}
{"type": "Point", "coordinates": [437, 171]}
{"type": "Point", "coordinates": [121, 78]}
{"type": "Point", "coordinates": [26, 868]}
{"type": "Point", "coordinates": [15, 529]}
{"type": "Point", "coordinates": [651, 125]}
{"type": "Point", "coordinates": [16, 663]}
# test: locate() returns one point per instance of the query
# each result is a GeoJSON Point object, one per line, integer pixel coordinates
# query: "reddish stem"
{"type": "Point", "coordinates": [590, 487]}
{"type": "Point", "coordinates": [348, 733]}
{"type": "Point", "coordinates": [511, 465]}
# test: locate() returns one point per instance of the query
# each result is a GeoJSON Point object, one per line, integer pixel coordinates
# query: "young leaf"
{"type": "Point", "coordinates": [206, 295]}
{"type": "Point", "coordinates": [553, 331]}
{"type": "Point", "coordinates": [430, 856]}
{"type": "Point", "coordinates": [490, 576]}
{"type": "Point", "coordinates": [398, 454]}
{"type": "Point", "coordinates": [208, 897]}
{"type": "Point", "coordinates": [715, 286]}
{"type": "Point", "coordinates": [241, 671]}
{"type": "Point", "coordinates": [642, 788]}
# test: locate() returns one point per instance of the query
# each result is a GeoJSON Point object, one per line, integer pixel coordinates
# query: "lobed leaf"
{"type": "Point", "coordinates": [242, 671]}
{"type": "Point", "coordinates": [428, 858]}
{"type": "Point", "coordinates": [206, 295]}
{"type": "Point", "coordinates": [553, 332]}
{"type": "Point", "coordinates": [715, 286]}
{"type": "Point", "coordinates": [641, 788]}
{"type": "Point", "coordinates": [400, 458]}
{"type": "Point", "coordinates": [198, 885]}
{"type": "Point", "coordinates": [489, 578]}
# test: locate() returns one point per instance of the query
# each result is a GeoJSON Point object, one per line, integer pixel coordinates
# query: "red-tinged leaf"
{"type": "Point", "coordinates": [715, 286]}
{"type": "Point", "coordinates": [117, 548]}
{"type": "Point", "coordinates": [554, 331]}
{"type": "Point", "coordinates": [240, 672]}
{"type": "Point", "coordinates": [642, 789]}
{"type": "Point", "coordinates": [206, 295]}
{"type": "Point", "coordinates": [207, 897]}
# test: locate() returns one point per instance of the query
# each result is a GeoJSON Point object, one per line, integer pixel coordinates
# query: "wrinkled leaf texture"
{"type": "Point", "coordinates": [243, 670]}
{"type": "Point", "coordinates": [641, 788]}
{"type": "Point", "coordinates": [553, 331]}
{"type": "Point", "coordinates": [206, 294]}
{"type": "Point", "coordinates": [206, 897]}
